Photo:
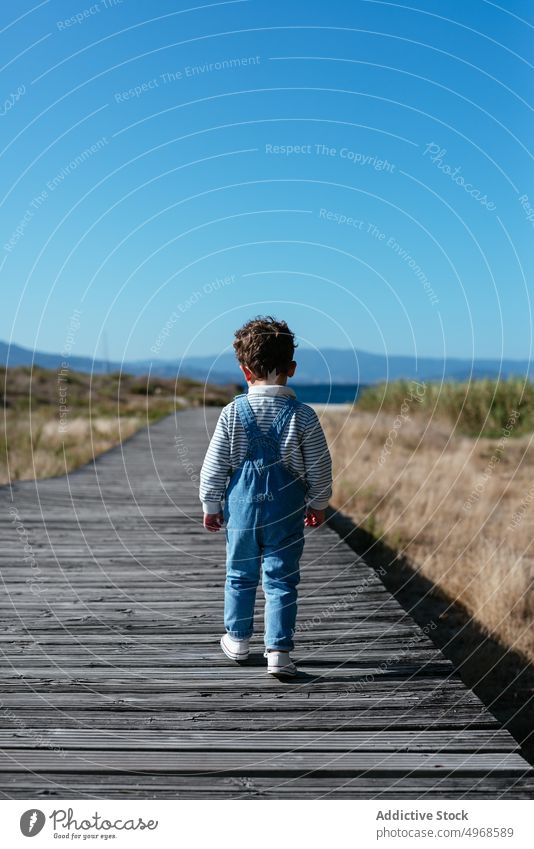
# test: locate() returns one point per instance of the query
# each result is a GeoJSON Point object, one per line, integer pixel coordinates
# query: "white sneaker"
{"type": "Point", "coordinates": [234, 649]}
{"type": "Point", "coordinates": [280, 664]}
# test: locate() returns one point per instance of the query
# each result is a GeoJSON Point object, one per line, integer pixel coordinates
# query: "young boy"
{"type": "Point", "coordinates": [274, 452]}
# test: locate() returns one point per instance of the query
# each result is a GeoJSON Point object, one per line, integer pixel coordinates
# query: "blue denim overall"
{"type": "Point", "coordinates": [264, 516]}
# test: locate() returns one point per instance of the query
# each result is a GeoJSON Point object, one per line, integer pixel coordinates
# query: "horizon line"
{"type": "Point", "coordinates": [214, 356]}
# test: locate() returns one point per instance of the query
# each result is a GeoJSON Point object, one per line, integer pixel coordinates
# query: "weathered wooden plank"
{"type": "Point", "coordinates": [262, 763]}
{"type": "Point", "coordinates": [123, 786]}
{"type": "Point", "coordinates": [118, 715]}
{"type": "Point", "coordinates": [362, 741]}
{"type": "Point", "coordinates": [190, 678]}
{"type": "Point", "coordinates": [20, 663]}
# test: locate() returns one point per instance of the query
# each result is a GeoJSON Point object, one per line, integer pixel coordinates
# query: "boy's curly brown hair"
{"type": "Point", "coordinates": [264, 344]}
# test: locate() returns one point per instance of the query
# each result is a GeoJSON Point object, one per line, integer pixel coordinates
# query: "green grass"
{"type": "Point", "coordinates": [479, 408]}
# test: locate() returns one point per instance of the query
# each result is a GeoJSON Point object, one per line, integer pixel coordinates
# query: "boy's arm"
{"type": "Point", "coordinates": [215, 468]}
{"type": "Point", "coordinates": [317, 463]}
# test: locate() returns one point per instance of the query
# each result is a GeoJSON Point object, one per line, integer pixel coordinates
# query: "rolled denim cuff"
{"type": "Point", "coordinates": [240, 635]}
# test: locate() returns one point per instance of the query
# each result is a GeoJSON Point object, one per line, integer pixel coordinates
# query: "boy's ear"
{"type": "Point", "coordinates": [291, 369]}
{"type": "Point", "coordinates": [246, 371]}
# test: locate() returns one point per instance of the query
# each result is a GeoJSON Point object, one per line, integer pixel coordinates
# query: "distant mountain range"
{"type": "Point", "coordinates": [329, 366]}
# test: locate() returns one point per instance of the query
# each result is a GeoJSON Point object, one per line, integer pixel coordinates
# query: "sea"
{"type": "Point", "coordinates": [324, 393]}
{"type": "Point", "coordinates": [327, 393]}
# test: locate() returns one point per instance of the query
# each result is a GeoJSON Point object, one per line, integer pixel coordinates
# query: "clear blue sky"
{"type": "Point", "coordinates": [152, 148]}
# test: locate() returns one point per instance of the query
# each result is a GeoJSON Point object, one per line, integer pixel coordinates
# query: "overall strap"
{"type": "Point", "coordinates": [247, 417]}
{"type": "Point", "coordinates": [276, 429]}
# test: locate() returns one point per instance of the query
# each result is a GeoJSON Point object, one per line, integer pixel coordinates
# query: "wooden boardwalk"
{"type": "Point", "coordinates": [113, 683]}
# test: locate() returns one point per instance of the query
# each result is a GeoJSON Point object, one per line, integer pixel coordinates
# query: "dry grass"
{"type": "Point", "coordinates": [459, 508]}
{"type": "Point", "coordinates": [39, 441]}
{"type": "Point", "coordinates": [37, 448]}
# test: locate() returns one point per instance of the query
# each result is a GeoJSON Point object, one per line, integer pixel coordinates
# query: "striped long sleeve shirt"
{"type": "Point", "coordinates": [303, 448]}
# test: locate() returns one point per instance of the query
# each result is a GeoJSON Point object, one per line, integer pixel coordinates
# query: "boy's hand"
{"type": "Point", "coordinates": [213, 521]}
{"type": "Point", "coordinates": [314, 518]}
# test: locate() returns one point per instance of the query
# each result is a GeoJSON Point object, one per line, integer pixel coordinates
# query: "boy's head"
{"type": "Point", "coordinates": [264, 348]}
